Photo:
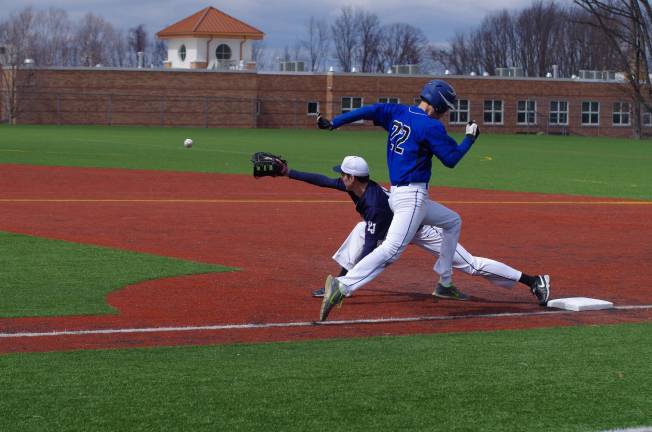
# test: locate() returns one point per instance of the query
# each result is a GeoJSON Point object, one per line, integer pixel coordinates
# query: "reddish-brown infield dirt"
{"type": "Point", "coordinates": [281, 234]}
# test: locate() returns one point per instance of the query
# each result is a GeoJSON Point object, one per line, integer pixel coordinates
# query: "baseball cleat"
{"type": "Point", "coordinates": [333, 296]}
{"type": "Point", "coordinates": [541, 289]}
{"type": "Point", "coordinates": [318, 292]}
{"type": "Point", "coordinates": [450, 292]}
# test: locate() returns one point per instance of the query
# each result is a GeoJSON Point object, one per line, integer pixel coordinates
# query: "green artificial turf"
{"type": "Point", "coordinates": [567, 379]}
{"type": "Point", "coordinates": [606, 167]}
{"type": "Point", "coordinates": [40, 277]}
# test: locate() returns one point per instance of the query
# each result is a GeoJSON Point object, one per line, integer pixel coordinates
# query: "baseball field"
{"type": "Point", "coordinates": [147, 286]}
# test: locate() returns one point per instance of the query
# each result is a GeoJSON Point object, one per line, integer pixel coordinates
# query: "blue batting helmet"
{"type": "Point", "coordinates": [440, 95]}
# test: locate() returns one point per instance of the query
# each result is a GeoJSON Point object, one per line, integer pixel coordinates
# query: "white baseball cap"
{"type": "Point", "coordinates": [353, 165]}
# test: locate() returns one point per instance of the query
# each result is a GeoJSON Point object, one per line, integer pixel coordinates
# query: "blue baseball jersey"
{"type": "Point", "coordinates": [412, 140]}
{"type": "Point", "coordinates": [373, 206]}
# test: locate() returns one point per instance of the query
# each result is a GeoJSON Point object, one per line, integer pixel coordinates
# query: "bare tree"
{"type": "Point", "coordinates": [459, 57]}
{"type": "Point", "coordinates": [16, 76]}
{"type": "Point", "coordinates": [401, 44]}
{"type": "Point", "coordinates": [116, 49]}
{"type": "Point", "coordinates": [90, 37]}
{"type": "Point", "coordinates": [345, 38]}
{"type": "Point", "coordinates": [535, 38]}
{"type": "Point", "coordinates": [137, 40]}
{"type": "Point", "coordinates": [259, 54]}
{"type": "Point", "coordinates": [627, 24]}
{"type": "Point", "coordinates": [297, 51]}
{"type": "Point", "coordinates": [159, 52]}
{"type": "Point", "coordinates": [369, 30]}
{"type": "Point", "coordinates": [289, 53]}
{"type": "Point", "coordinates": [53, 38]}
{"type": "Point", "coordinates": [499, 42]}
{"type": "Point", "coordinates": [317, 43]}
{"type": "Point", "coordinates": [534, 29]}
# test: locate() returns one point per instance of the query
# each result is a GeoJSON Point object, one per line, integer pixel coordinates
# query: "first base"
{"type": "Point", "coordinates": [579, 304]}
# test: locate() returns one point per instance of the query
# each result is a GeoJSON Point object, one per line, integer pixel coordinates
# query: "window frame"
{"type": "Point", "coordinates": [312, 114]}
{"type": "Point", "coordinates": [621, 113]}
{"type": "Point", "coordinates": [528, 111]}
{"type": "Point", "coordinates": [558, 111]}
{"type": "Point", "coordinates": [182, 52]}
{"type": "Point", "coordinates": [590, 113]}
{"type": "Point", "coordinates": [230, 52]}
{"type": "Point", "coordinates": [492, 112]}
{"type": "Point", "coordinates": [388, 100]}
{"type": "Point", "coordinates": [458, 111]}
{"type": "Point", "coordinates": [646, 118]}
{"type": "Point", "coordinates": [351, 108]}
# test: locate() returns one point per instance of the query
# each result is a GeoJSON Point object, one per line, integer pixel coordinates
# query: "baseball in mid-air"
{"type": "Point", "coordinates": [187, 143]}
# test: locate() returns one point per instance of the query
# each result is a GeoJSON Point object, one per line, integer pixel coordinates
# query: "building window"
{"type": "Point", "coordinates": [647, 118]}
{"type": "Point", "coordinates": [493, 111]}
{"type": "Point", "coordinates": [590, 113]}
{"type": "Point", "coordinates": [526, 112]}
{"type": "Point", "coordinates": [313, 108]}
{"type": "Point", "coordinates": [223, 52]}
{"type": "Point", "coordinates": [182, 52]}
{"type": "Point", "coordinates": [259, 107]}
{"type": "Point", "coordinates": [621, 114]}
{"type": "Point", "coordinates": [558, 114]}
{"type": "Point", "coordinates": [351, 103]}
{"type": "Point", "coordinates": [460, 114]}
{"type": "Point", "coordinates": [389, 100]}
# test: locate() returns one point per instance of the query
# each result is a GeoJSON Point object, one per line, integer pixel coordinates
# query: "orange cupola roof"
{"type": "Point", "coordinates": [211, 22]}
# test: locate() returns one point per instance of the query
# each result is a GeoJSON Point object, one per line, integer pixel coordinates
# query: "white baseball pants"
{"type": "Point", "coordinates": [429, 238]}
{"type": "Point", "coordinates": [412, 208]}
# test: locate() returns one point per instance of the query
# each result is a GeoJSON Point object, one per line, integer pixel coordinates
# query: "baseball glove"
{"type": "Point", "coordinates": [268, 164]}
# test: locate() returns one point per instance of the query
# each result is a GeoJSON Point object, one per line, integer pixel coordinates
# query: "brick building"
{"type": "Point", "coordinates": [201, 98]}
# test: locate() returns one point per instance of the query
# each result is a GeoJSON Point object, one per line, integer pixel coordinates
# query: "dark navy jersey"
{"type": "Point", "coordinates": [373, 206]}
{"type": "Point", "coordinates": [413, 138]}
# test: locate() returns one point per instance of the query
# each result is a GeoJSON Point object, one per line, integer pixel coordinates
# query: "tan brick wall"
{"type": "Point", "coordinates": [229, 99]}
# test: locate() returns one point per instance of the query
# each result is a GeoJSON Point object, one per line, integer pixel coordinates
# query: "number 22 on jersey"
{"type": "Point", "coordinates": [400, 134]}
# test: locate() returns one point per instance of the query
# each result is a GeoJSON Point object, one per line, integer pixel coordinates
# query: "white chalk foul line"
{"type": "Point", "coordinates": [249, 326]}
{"type": "Point", "coordinates": [636, 429]}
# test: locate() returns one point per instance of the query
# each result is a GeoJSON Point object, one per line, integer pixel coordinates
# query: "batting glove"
{"type": "Point", "coordinates": [323, 122]}
{"type": "Point", "coordinates": [472, 129]}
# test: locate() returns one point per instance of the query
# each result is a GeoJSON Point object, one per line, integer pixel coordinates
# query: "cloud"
{"type": "Point", "coordinates": [283, 21]}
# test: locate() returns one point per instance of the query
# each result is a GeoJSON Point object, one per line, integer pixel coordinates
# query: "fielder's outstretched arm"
{"type": "Point", "coordinates": [317, 179]}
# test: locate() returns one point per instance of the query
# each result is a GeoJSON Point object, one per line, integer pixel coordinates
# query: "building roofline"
{"type": "Point", "coordinates": [166, 33]}
{"type": "Point", "coordinates": [352, 74]}
{"type": "Point", "coordinates": [224, 35]}
{"type": "Point", "coordinates": [135, 69]}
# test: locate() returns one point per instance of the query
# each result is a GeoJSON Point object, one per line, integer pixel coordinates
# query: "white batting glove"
{"type": "Point", "coordinates": [472, 129]}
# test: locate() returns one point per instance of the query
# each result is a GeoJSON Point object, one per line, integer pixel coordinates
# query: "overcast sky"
{"type": "Point", "coordinates": [283, 21]}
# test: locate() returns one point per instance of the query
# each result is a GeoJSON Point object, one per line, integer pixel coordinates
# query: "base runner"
{"type": "Point", "coordinates": [415, 134]}
{"type": "Point", "coordinates": [371, 201]}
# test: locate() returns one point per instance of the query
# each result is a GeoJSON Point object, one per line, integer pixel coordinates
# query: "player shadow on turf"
{"type": "Point", "coordinates": [412, 296]}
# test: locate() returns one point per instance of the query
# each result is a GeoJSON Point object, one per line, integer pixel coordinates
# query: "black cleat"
{"type": "Point", "coordinates": [541, 289]}
{"type": "Point", "coordinates": [318, 292]}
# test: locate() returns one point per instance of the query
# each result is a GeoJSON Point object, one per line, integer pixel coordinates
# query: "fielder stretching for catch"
{"type": "Point", "coordinates": [372, 203]}
{"type": "Point", "coordinates": [415, 135]}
